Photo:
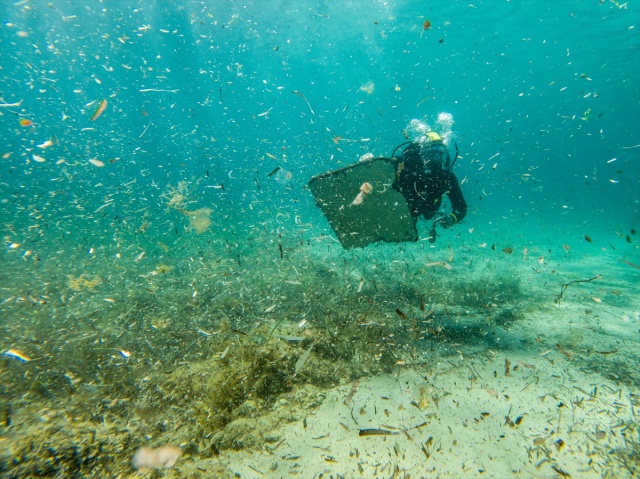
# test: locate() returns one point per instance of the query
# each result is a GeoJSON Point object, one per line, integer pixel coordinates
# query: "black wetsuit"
{"type": "Point", "coordinates": [423, 189]}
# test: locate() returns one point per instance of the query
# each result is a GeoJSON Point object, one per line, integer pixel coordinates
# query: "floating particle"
{"type": "Point", "coordinates": [39, 159]}
{"type": "Point", "coordinates": [507, 250]}
{"type": "Point", "coordinates": [101, 108]}
{"type": "Point", "coordinates": [368, 88]}
{"type": "Point", "coordinates": [96, 162]}
{"type": "Point", "coordinates": [15, 354]}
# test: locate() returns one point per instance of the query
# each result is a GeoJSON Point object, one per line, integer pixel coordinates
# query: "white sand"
{"type": "Point", "coordinates": [482, 422]}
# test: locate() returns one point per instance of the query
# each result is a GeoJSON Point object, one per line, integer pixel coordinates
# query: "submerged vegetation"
{"type": "Point", "coordinates": [213, 356]}
{"type": "Point", "coordinates": [212, 344]}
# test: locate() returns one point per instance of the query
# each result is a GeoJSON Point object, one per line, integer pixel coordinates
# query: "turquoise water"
{"type": "Point", "coordinates": [138, 244]}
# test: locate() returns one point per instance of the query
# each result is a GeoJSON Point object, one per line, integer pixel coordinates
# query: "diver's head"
{"type": "Point", "coordinates": [435, 153]}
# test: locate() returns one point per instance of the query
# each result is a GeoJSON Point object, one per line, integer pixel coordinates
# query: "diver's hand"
{"type": "Point", "coordinates": [447, 221]}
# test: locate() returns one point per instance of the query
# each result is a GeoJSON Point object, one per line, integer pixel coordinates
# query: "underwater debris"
{"type": "Point", "coordinates": [296, 92]}
{"type": "Point", "coordinates": [426, 25]}
{"type": "Point", "coordinates": [158, 458]}
{"type": "Point", "coordinates": [18, 103]}
{"type": "Point", "coordinates": [199, 219]}
{"type": "Point", "coordinates": [566, 285]}
{"type": "Point", "coordinates": [354, 389]}
{"type": "Point", "coordinates": [444, 264]}
{"type": "Point", "coordinates": [302, 360]}
{"type": "Point", "coordinates": [273, 172]}
{"type": "Point", "coordinates": [368, 87]}
{"type": "Point", "coordinates": [560, 471]}
{"type": "Point", "coordinates": [84, 281]}
{"type": "Point", "coordinates": [96, 162]}
{"type": "Point", "coordinates": [15, 354]}
{"type": "Point", "coordinates": [566, 353]}
{"type": "Point", "coordinates": [629, 263]}
{"type": "Point", "coordinates": [365, 189]}
{"type": "Point", "coordinates": [423, 403]}
{"type": "Point", "coordinates": [178, 199]}
{"type": "Point", "coordinates": [101, 107]}
{"type": "Point", "coordinates": [377, 432]}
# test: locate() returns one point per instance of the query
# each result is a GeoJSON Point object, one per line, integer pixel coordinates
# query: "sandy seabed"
{"type": "Point", "coordinates": [317, 363]}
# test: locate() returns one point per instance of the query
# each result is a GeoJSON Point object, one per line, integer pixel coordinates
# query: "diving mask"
{"type": "Point", "coordinates": [435, 155]}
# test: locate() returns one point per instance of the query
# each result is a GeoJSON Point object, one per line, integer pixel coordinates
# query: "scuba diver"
{"type": "Point", "coordinates": [424, 174]}
{"type": "Point", "coordinates": [381, 198]}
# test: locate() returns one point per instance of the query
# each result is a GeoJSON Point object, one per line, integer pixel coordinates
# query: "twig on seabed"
{"type": "Point", "coordinates": [566, 285]}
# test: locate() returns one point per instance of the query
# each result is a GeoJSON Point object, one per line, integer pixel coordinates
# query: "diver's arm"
{"type": "Point", "coordinates": [458, 203]}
